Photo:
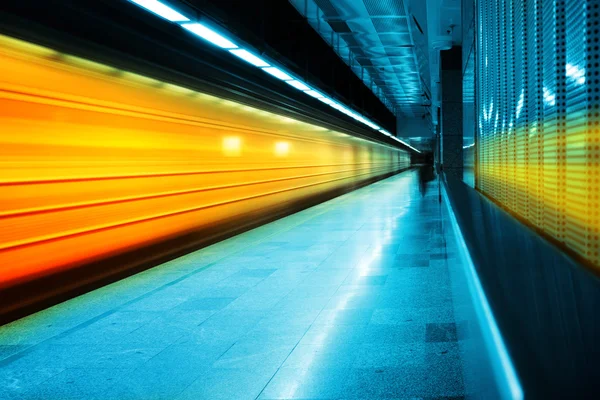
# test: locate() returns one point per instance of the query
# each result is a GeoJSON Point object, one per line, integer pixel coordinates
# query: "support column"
{"type": "Point", "coordinates": [452, 111]}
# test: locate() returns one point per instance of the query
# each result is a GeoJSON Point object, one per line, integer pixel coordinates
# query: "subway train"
{"type": "Point", "coordinates": [105, 171]}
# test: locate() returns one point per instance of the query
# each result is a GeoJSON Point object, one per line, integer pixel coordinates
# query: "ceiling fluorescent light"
{"type": "Point", "coordinates": [314, 94]}
{"type": "Point", "coordinates": [161, 10]}
{"type": "Point", "coordinates": [406, 144]}
{"type": "Point", "coordinates": [337, 106]}
{"type": "Point", "coordinates": [342, 110]}
{"type": "Point", "coordinates": [249, 57]}
{"type": "Point", "coordinates": [298, 85]}
{"type": "Point", "coordinates": [277, 73]}
{"type": "Point", "coordinates": [325, 100]}
{"type": "Point", "coordinates": [349, 113]}
{"type": "Point", "coordinates": [210, 35]}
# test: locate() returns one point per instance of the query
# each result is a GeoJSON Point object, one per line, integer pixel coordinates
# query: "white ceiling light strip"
{"type": "Point", "coordinates": [404, 143]}
{"type": "Point", "coordinates": [249, 58]}
{"type": "Point", "coordinates": [314, 94]}
{"type": "Point", "coordinates": [277, 73]}
{"type": "Point", "coordinates": [162, 9]}
{"type": "Point", "coordinates": [209, 35]}
{"type": "Point", "coordinates": [298, 85]}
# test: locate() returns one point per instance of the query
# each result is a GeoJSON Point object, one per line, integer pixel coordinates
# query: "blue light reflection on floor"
{"type": "Point", "coordinates": [505, 383]}
{"type": "Point", "coordinates": [348, 299]}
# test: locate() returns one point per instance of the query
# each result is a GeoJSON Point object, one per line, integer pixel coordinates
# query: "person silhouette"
{"type": "Point", "coordinates": [426, 174]}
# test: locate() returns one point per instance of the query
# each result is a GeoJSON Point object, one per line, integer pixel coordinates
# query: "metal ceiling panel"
{"type": "Point", "coordinates": [326, 7]}
{"type": "Point", "coordinates": [381, 43]}
{"type": "Point", "coordinates": [339, 26]}
{"type": "Point", "coordinates": [377, 8]}
{"type": "Point", "coordinates": [392, 25]}
{"type": "Point", "coordinates": [395, 40]}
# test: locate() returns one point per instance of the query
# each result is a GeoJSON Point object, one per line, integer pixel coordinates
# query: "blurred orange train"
{"type": "Point", "coordinates": [96, 162]}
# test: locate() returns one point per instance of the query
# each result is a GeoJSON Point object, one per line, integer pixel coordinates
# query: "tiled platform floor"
{"type": "Point", "coordinates": [346, 300]}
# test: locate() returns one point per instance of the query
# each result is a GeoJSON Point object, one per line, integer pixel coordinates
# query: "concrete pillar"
{"type": "Point", "coordinates": [452, 111]}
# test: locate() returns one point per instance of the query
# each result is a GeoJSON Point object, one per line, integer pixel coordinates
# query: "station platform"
{"type": "Point", "coordinates": [350, 299]}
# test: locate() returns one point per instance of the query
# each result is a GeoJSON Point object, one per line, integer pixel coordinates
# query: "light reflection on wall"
{"type": "Point", "coordinates": [576, 73]}
{"type": "Point", "coordinates": [381, 236]}
{"type": "Point", "coordinates": [543, 167]}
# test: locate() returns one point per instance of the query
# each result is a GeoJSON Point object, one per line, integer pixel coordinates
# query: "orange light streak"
{"type": "Point", "coordinates": [94, 163]}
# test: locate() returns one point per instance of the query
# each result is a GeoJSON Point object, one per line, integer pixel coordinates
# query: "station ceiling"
{"type": "Point", "coordinates": [383, 43]}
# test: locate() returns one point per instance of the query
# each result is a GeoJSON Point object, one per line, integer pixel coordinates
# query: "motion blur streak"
{"type": "Point", "coordinates": [95, 161]}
